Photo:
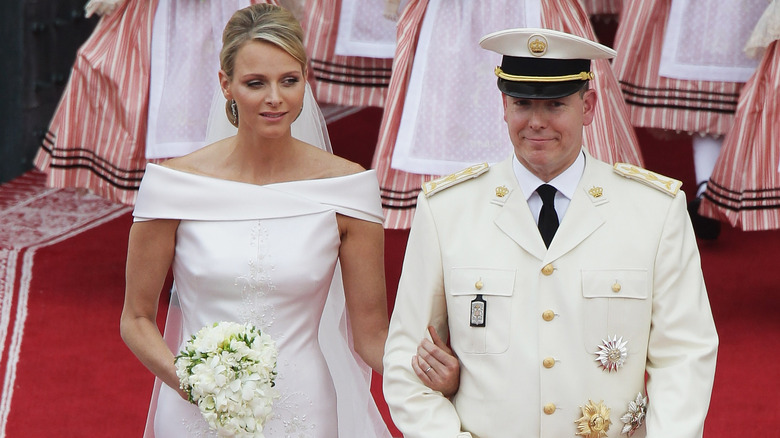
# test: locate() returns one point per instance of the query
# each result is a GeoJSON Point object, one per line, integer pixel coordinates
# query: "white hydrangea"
{"type": "Point", "coordinates": [228, 370]}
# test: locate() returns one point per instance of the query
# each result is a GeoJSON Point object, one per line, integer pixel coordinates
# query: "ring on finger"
{"type": "Point", "coordinates": [429, 368]}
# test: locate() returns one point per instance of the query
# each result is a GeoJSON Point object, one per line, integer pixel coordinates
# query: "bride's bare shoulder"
{"type": "Point", "coordinates": [200, 161]}
{"type": "Point", "coordinates": [327, 165]}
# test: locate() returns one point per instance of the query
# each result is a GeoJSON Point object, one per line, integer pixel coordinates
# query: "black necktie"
{"type": "Point", "coordinates": [548, 218]}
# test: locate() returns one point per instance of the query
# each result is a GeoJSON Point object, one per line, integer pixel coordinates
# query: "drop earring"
{"type": "Point", "coordinates": [231, 109]}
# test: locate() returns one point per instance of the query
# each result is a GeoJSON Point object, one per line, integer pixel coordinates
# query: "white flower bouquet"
{"type": "Point", "coordinates": [228, 370]}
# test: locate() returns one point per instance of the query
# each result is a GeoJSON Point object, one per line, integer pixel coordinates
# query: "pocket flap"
{"type": "Point", "coordinates": [485, 281]}
{"type": "Point", "coordinates": [615, 283]}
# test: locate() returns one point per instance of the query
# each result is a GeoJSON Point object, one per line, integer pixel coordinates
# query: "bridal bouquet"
{"type": "Point", "coordinates": [228, 370]}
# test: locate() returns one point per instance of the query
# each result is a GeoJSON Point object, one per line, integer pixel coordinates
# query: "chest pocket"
{"type": "Point", "coordinates": [616, 303]}
{"type": "Point", "coordinates": [496, 286]}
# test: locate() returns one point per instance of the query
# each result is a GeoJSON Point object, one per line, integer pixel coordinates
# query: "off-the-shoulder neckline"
{"type": "Point", "coordinates": [297, 181]}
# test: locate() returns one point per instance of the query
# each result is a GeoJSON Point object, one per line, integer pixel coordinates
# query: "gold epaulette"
{"type": "Point", "coordinates": [670, 186]}
{"type": "Point", "coordinates": [437, 185]}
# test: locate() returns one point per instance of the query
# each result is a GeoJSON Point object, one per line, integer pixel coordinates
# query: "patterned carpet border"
{"type": "Point", "coordinates": [34, 216]}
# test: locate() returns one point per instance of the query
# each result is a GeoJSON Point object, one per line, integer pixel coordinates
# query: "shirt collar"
{"type": "Point", "coordinates": [566, 183]}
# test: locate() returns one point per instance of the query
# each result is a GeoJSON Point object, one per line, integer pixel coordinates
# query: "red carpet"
{"type": "Point", "coordinates": [58, 295]}
{"type": "Point", "coordinates": [742, 275]}
{"type": "Point", "coordinates": [68, 374]}
{"type": "Point", "coordinates": [75, 376]}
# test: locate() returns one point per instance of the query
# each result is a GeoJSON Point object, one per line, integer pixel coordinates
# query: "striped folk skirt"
{"type": "Point", "coordinates": [705, 107]}
{"type": "Point", "coordinates": [97, 135]}
{"type": "Point", "coordinates": [744, 189]}
{"type": "Point", "coordinates": [341, 80]}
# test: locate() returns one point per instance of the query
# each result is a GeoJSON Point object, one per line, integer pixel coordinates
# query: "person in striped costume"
{"type": "Point", "coordinates": [681, 68]}
{"type": "Point", "coordinates": [745, 184]}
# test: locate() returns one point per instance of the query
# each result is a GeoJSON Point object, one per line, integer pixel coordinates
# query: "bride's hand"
{"type": "Point", "coordinates": [184, 395]}
{"type": "Point", "coordinates": [436, 365]}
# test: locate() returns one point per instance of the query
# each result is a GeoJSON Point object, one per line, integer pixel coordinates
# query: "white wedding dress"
{"type": "Point", "coordinates": [267, 255]}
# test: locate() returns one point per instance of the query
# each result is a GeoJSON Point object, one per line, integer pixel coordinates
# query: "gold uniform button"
{"type": "Point", "coordinates": [616, 287]}
{"type": "Point", "coordinates": [548, 315]}
{"type": "Point", "coordinates": [478, 285]}
{"type": "Point", "coordinates": [548, 269]}
{"type": "Point", "coordinates": [548, 362]}
{"type": "Point", "coordinates": [549, 408]}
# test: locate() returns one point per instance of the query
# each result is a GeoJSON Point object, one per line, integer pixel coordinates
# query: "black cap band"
{"type": "Point", "coordinates": [520, 66]}
{"type": "Point", "coordinates": [541, 68]}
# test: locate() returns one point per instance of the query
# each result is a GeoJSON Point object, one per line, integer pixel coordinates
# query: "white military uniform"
{"type": "Point", "coordinates": [623, 267]}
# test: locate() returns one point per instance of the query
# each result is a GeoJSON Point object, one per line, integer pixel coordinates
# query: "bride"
{"type": "Point", "coordinates": [264, 228]}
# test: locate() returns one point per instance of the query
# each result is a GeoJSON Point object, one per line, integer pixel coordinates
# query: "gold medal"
{"type": "Point", "coordinates": [595, 421]}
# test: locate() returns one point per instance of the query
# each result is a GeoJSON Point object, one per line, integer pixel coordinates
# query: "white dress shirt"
{"type": "Point", "coordinates": [565, 184]}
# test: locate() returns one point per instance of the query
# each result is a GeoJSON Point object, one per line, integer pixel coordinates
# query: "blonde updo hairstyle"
{"type": "Point", "coordinates": [261, 22]}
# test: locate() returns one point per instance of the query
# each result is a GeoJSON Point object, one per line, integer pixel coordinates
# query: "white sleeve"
{"type": "Point", "coordinates": [418, 411]}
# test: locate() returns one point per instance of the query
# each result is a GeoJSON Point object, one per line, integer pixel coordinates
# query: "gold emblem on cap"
{"type": "Point", "coordinates": [596, 192]}
{"type": "Point", "coordinates": [537, 45]}
{"type": "Point", "coordinates": [502, 191]}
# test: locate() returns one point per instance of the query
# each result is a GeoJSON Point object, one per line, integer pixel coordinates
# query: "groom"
{"type": "Point", "coordinates": [561, 281]}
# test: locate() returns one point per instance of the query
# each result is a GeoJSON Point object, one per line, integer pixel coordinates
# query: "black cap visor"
{"type": "Point", "coordinates": [539, 90]}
